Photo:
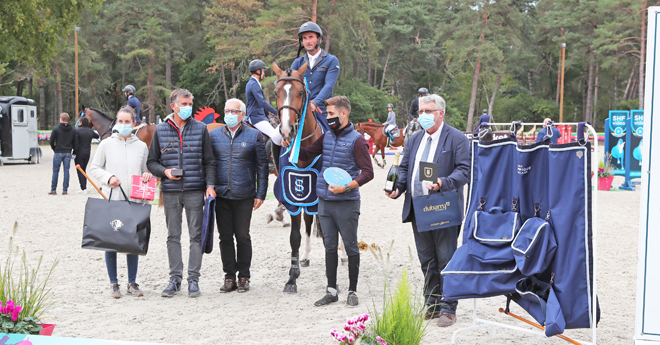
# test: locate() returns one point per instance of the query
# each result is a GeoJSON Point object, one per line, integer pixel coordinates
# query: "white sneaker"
{"type": "Point", "coordinates": [82, 191]}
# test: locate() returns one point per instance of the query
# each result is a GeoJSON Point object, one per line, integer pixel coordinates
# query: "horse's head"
{"type": "Point", "coordinates": [358, 127]}
{"type": "Point", "coordinates": [291, 99]}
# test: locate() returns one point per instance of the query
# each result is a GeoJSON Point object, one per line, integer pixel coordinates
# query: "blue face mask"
{"type": "Point", "coordinates": [231, 120]}
{"type": "Point", "coordinates": [426, 120]}
{"type": "Point", "coordinates": [124, 130]}
{"type": "Point", "coordinates": [185, 112]}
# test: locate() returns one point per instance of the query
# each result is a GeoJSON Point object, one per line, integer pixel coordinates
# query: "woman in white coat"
{"type": "Point", "coordinates": [117, 159]}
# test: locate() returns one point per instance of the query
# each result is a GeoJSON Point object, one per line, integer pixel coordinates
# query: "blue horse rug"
{"type": "Point", "coordinates": [295, 187]}
{"type": "Point", "coordinates": [547, 187]}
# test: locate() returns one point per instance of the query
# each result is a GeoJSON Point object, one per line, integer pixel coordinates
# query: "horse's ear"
{"type": "Point", "coordinates": [276, 69]}
{"type": "Point", "coordinates": [302, 69]}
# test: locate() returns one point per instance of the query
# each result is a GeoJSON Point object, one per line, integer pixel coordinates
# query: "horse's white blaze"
{"type": "Point", "coordinates": [342, 249]}
{"type": "Point", "coordinates": [285, 112]}
{"type": "Point", "coordinates": [308, 248]}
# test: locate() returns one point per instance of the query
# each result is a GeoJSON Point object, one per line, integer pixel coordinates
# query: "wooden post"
{"type": "Point", "coordinates": [76, 39]}
{"type": "Point", "coordinates": [561, 95]}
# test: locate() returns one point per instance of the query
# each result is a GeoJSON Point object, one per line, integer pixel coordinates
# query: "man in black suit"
{"type": "Point", "coordinates": [448, 147]}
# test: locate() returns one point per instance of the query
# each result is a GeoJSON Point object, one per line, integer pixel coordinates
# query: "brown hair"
{"type": "Point", "coordinates": [64, 117]}
{"type": "Point", "coordinates": [339, 102]}
{"type": "Point", "coordinates": [127, 109]}
{"type": "Point", "coordinates": [174, 96]}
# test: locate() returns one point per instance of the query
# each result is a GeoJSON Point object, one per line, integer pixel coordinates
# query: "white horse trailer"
{"type": "Point", "coordinates": [18, 130]}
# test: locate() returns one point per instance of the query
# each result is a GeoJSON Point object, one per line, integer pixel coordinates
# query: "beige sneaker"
{"type": "Point", "coordinates": [134, 289]}
{"type": "Point", "coordinates": [115, 291]}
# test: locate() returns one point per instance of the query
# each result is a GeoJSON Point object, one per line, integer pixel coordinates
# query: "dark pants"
{"type": "Point", "coordinates": [60, 159]}
{"type": "Point", "coordinates": [340, 217]}
{"type": "Point", "coordinates": [435, 248]}
{"type": "Point", "coordinates": [82, 160]}
{"type": "Point", "coordinates": [233, 219]}
{"type": "Point", "coordinates": [111, 265]}
{"type": "Point", "coordinates": [174, 203]}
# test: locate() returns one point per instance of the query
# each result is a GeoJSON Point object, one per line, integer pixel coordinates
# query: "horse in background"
{"type": "Point", "coordinates": [412, 128]}
{"type": "Point", "coordinates": [381, 141]}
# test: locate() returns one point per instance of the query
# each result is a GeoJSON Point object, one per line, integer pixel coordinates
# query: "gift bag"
{"type": "Point", "coordinates": [118, 226]}
{"type": "Point", "coordinates": [437, 211]}
{"type": "Point", "coordinates": [141, 190]}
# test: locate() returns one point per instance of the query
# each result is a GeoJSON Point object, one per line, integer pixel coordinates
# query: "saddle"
{"type": "Point", "coordinates": [395, 132]}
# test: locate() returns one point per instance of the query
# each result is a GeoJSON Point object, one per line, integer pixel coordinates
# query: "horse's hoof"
{"type": "Point", "coordinates": [269, 218]}
{"type": "Point", "coordinates": [304, 263]}
{"type": "Point", "coordinates": [344, 261]}
{"type": "Point", "coordinates": [290, 288]}
{"type": "Point", "coordinates": [286, 225]}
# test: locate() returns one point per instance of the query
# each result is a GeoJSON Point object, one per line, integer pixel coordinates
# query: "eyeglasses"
{"type": "Point", "coordinates": [233, 111]}
{"type": "Point", "coordinates": [430, 111]}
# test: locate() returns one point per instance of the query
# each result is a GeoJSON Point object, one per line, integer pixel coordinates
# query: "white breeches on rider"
{"type": "Point", "coordinates": [390, 127]}
{"type": "Point", "coordinates": [273, 133]}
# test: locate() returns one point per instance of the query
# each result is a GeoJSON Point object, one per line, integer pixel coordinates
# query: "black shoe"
{"type": "Point", "coordinates": [193, 289]}
{"type": "Point", "coordinates": [331, 296]}
{"type": "Point", "coordinates": [352, 300]}
{"type": "Point", "coordinates": [172, 289]}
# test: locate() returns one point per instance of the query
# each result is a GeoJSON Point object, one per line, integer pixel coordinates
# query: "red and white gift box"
{"type": "Point", "coordinates": [141, 190]}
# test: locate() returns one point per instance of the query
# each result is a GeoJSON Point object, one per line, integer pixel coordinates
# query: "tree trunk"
{"type": "Point", "coordinates": [642, 57]}
{"type": "Point", "coordinates": [590, 86]}
{"type": "Point", "coordinates": [328, 34]}
{"type": "Point", "coordinates": [168, 77]}
{"type": "Point", "coordinates": [530, 82]}
{"type": "Point", "coordinates": [491, 104]}
{"type": "Point", "coordinates": [616, 82]}
{"type": "Point", "coordinates": [369, 69]}
{"type": "Point", "coordinates": [42, 104]}
{"type": "Point", "coordinates": [629, 83]}
{"type": "Point", "coordinates": [382, 80]}
{"type": "Point", "coordinates": [314, 6]}
{"type": "Point", "coordinates": [473, 97]}
{"type": "Point", "coordinates": [19, 89]}
{"type": "Point", "coordinates": [59, 89]}
{"type": "Point", "coordinates": [150, 87]}
{"type": "Point", "coordinates": [594, 115]}
{"type": "Point", "coordinates": [233, 78]}
{"type": "Point", "coordinates": [30, 87]}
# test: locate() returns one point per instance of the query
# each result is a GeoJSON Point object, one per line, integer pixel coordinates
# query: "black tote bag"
{"type": "Point", "coordinates": [117, 226]}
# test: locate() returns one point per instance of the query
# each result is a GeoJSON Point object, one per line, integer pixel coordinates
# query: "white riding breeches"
{"type": "Point", "coordinates": [389, 128]}
{"type": "Point", "coordinates": [273, 133]}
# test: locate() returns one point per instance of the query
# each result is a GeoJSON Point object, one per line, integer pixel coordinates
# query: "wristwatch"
{"type": "Point", "coordinates": [348, 189]}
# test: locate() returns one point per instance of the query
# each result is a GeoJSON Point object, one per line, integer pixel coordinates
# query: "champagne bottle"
{"type": "Point", "coordinates": [393, 175]}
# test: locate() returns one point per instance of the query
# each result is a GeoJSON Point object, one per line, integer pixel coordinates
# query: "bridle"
{"type": "Point", "coordinates": [371, 131]}
{"type": "Point", "coordinates": [107, 131]}
{"type": "Point", "coordinates": [298, 112]}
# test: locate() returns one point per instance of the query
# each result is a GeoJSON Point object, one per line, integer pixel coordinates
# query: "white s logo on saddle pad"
{"type": "Point", "coordinates": [116, 224]}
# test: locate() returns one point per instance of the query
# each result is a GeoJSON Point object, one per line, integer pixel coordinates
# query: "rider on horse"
{"type": "Point", "coordinates": [257, 106]}
{"type": "Point", "coordinates": [322, 71]}
{"type": "Point", "coordinates": [414, 105]}
{"type": "Point", "coordinates": [133, 102]}
{"type": "Point", "coordinates": [390, 124]}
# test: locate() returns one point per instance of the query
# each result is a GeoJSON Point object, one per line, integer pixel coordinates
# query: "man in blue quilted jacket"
{"type": "Point", "coordinates": [182, 156]}
{"type": "Point", "coordinates": [241, 184]}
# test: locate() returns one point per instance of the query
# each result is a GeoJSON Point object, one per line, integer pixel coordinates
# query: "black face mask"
{"type": "Point", "coordinates": [334, 122]}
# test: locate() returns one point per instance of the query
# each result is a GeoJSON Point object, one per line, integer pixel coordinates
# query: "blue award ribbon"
{"type": "Point", "coordinates": [295, 150]}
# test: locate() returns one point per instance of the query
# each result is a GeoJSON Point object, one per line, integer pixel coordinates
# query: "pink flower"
{"type": "Point", "coordinates": [361, 326]}
{"type": "Point", "coordinates": [351, 340]}
{"type": "Point", "coordinates": [366, 317]}
{"type": "Point", "coordinates": [14, 316]}
{"type": "Point", "coordinates": [18, 309]}
{"type": "Point", "coordinates": [381, 340]}
{"type": "Point", "coordinates": [347, 328]}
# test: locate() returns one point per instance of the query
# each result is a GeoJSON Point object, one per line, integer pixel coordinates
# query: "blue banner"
{"type": "Point", "coordinates": [635, 142]}
{"type": "Point", "coordinates": [617, 127]}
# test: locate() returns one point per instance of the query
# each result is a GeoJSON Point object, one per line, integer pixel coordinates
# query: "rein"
{"type": "Point", "coordinates": [373, 130]}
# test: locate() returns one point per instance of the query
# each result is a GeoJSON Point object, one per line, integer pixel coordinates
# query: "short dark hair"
{"type": "Point", "coordinates": [84, 122]}
{"type": "Point", "coordinates": [127, 109]}
{"type": "Point", "coordinates": [174, 96]}
{"type": "Point", "coordinates": [339, 102]}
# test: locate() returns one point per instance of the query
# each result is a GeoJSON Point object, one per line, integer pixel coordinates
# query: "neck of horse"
{"type": "Point", "coordinates": [100, 123]}
{"type": "Point", "coordinates": [310, 129]}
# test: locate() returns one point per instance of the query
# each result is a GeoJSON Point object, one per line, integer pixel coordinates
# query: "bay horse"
{"type": "Point", "coordinates": [381, 140]}
{"type": "Point", "coordinates": [291, 100]}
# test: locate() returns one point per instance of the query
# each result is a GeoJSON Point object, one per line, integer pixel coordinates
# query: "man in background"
{"type": "Point", "coordinates": [554, 135]}
{"type": "Point", "coordinates": [63, 140]}
{"type": "Point", "coordinates": [85, 137]}
{"type": "Point", "coordinates": [133, 102]}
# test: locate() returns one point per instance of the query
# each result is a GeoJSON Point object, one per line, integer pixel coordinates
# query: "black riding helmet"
{"type": "Point", "coordinates": [423, 91]}
{"type": "Point", "coordinates": [130, 89]}
{"type": "Point", "coordinates": [309, 27]}
{"type": "Point", "coordinates": [256, 65]}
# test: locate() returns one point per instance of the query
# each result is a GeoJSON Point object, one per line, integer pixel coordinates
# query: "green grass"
{"type": "Point", "coordinates": [25, 285]}
{"type": "Point", "coordinates": [401, 319]}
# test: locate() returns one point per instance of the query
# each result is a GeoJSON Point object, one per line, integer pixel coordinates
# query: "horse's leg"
{"type": "Point", "coordinates": [294, 239]}
{"type": "Point", "coordinates": [382, 152]}
{"type": "Point", "coordinates": [309, 221]}
{"type": "Point", "coordinates": [278, 215]}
